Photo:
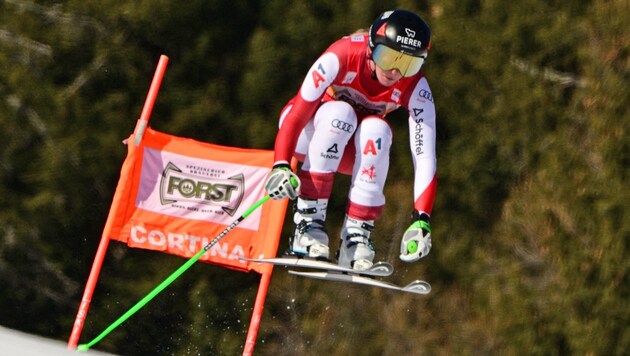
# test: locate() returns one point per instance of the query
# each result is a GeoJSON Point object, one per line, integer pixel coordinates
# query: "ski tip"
{"type": "Point", "coordinates": [418, 287]}
{"type": "Point", "coordinates": [382, 269]}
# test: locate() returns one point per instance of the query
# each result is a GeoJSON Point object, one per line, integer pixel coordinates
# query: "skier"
{"type": "Point", "coordinates": [337, 123]}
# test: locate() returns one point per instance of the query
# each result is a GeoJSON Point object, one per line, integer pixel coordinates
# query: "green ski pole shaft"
{"type": "Point", "coordinates": [171, 278]}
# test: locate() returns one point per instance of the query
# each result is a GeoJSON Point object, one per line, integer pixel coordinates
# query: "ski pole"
{"type": "Point", "coordinates": [171, 278]}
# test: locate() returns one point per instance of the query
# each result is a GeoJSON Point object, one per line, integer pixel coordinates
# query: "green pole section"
{"type": "Point", "coordinates": [171, 278]}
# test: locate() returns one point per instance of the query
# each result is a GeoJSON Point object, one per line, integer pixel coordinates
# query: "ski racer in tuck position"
{"type": "Point", "coordinates": [337, 123]}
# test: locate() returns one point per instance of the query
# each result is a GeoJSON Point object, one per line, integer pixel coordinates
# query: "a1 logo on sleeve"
{"type": "Point", "coordinates": [320, 76]}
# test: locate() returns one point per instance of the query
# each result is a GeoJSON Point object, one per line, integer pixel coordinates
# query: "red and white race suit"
{"type": "Point", "coordinates": [340, 102]}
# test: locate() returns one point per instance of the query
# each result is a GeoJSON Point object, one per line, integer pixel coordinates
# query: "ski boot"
{"type": "Point", "coordinates": [310, 238]}
{"type": "Point", "coordinates": [356, 249]}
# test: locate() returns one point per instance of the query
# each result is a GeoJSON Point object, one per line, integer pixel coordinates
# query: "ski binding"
{"type": "Point", "coordinates": [379, 269]}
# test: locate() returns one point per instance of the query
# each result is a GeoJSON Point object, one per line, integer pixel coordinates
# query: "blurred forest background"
{"type": "Point", "coordinates": [531, 225]}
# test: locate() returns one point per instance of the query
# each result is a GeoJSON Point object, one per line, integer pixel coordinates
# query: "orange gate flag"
{"type": "Point", "coordinates": [176, 194]}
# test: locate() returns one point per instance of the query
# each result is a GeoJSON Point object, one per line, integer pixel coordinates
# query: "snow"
{"type": "Point", "coordinates": [17, 343]}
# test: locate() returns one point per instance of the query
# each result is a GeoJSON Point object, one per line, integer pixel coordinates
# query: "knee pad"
{"type": "Point", "coordinates": [373, 141]}
{"type": "Point", "coordinates": [339, 116]}
{"type": "Point", "coordinates": [334, 124]}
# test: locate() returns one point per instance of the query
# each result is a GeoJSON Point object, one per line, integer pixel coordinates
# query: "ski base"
{"type": "Point", "coordinates": [417, 286]}
{"type": "Point", "coordinates": [379, 269]}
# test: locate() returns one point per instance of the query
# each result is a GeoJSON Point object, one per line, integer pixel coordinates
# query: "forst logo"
{"type": "Point", "coordinates": [179, 187]}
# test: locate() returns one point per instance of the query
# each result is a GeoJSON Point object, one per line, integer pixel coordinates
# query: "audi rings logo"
{"type": "Point", "coordinates": [342, 125]}
{"type": "Point", "coordinates": [426, 94]}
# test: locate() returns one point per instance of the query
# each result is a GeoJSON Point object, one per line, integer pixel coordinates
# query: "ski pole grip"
{"type": "Point", "coordinates": [294, 182]}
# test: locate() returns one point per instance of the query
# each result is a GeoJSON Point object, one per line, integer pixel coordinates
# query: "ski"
{"type": "Point", "coordinates": [379, 269]}
{"type": "Point", "coordinates": [417, 286]}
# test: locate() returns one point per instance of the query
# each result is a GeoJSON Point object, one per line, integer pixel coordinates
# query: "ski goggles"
{"type": "Point", "coordinates": [388, 59]}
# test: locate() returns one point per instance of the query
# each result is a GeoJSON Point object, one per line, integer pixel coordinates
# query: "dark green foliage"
{"type": "Point", "coordinates": [531, 225]}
